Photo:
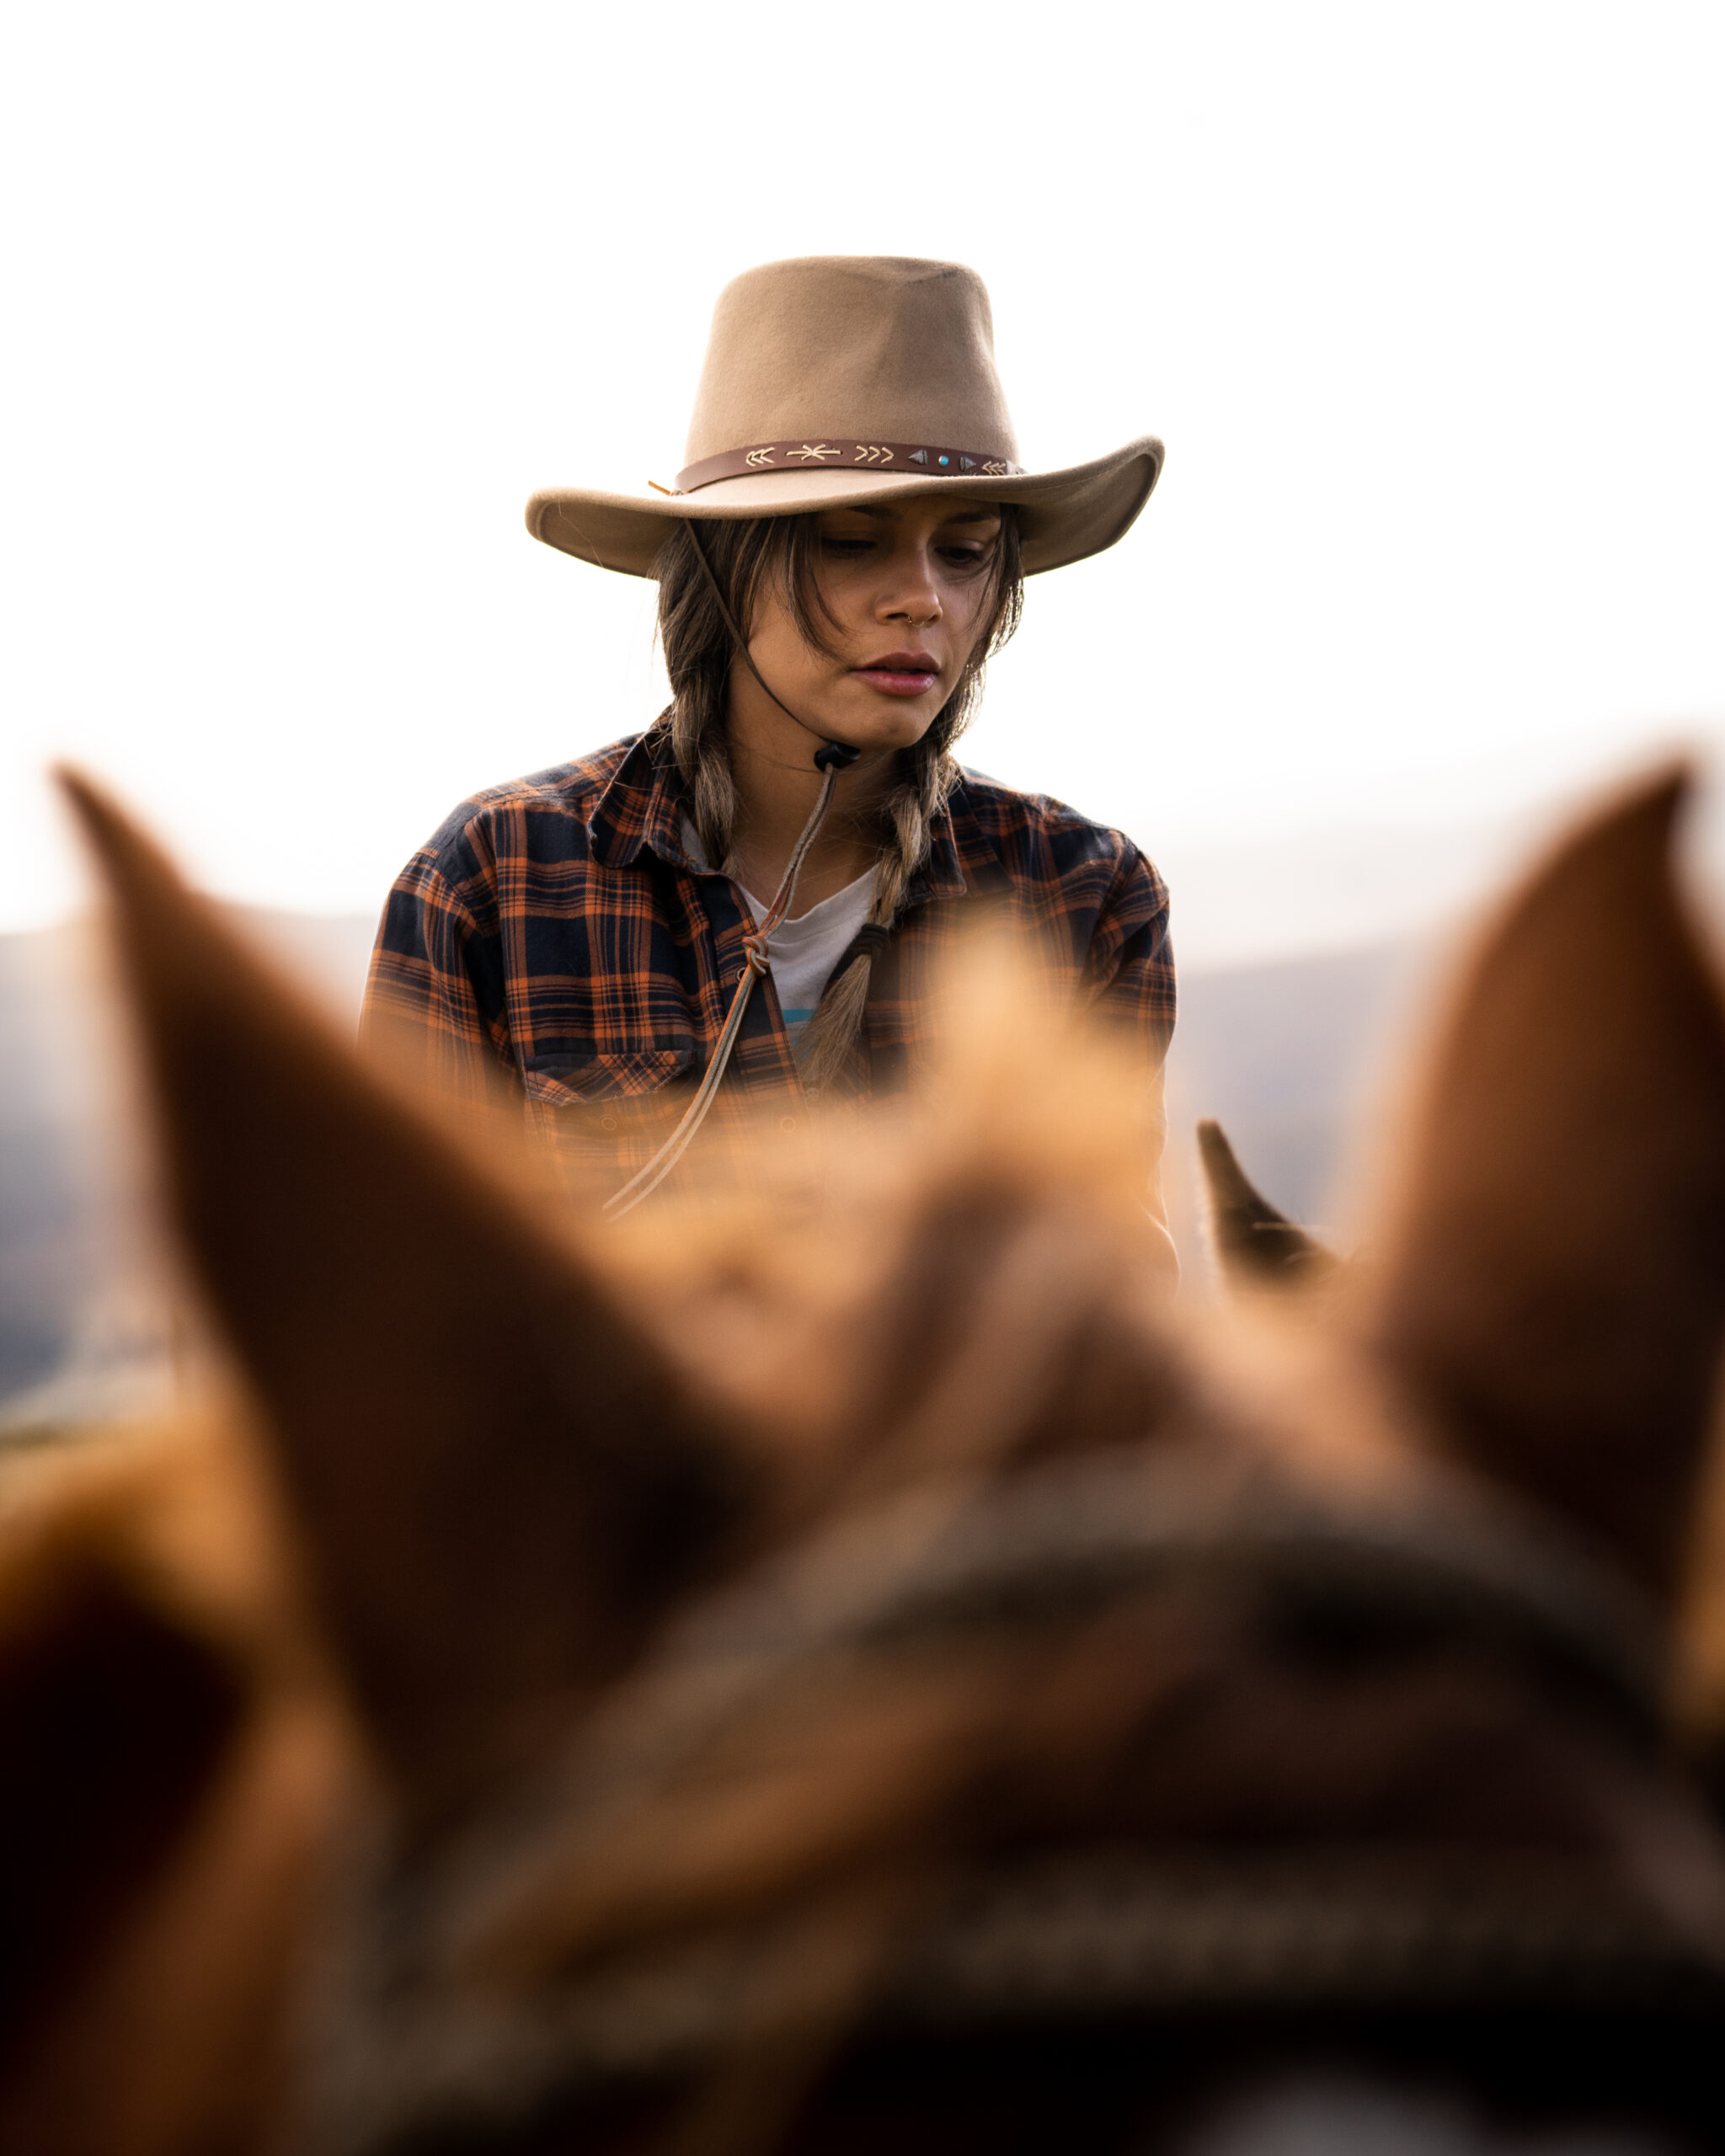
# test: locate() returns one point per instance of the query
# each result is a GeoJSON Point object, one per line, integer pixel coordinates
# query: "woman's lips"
{"type": "Point", "coordinates": [900, 673]}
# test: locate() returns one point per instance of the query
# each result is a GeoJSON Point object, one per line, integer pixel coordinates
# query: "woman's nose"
{"type": "Point", "coordinates": [913, 595]}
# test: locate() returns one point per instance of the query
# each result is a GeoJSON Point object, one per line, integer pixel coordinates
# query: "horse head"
{"type": "Point", "coordinates": [862, 1671]}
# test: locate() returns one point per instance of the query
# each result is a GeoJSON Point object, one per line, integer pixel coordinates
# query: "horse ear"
{"type": "Point", "coordinates": [1553, 1276]}
{"type": "Point", "coordinates": [1257, 1246]}
{"type": "Point", "coordinates": [499, 1480]}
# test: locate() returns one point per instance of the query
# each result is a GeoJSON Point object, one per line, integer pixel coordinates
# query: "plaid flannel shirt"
{"type": "Point", "coordinates": [556, 928]}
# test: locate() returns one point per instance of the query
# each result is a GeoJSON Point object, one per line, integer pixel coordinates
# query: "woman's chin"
{"type": "Point", "coordinates": [899, 724]}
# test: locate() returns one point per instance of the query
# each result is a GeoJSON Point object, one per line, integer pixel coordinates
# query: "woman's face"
{"type": "Point", "coordinates": [907, 589]}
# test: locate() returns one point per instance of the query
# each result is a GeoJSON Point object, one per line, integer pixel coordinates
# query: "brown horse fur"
{"type": "Point", "coordinates": [176, 1762]}
{"type": "Point", "coordinates": [854, 1673]}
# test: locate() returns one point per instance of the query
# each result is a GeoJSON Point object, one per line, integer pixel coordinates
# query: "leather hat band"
{"type": "Point", "coordinates": [915, 460]}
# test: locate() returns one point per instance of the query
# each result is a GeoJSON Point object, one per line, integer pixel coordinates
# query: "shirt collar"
{"type": "Point", "coordinates": [643, 805]}
{"type": "Point", "coordinates": [959, 851]}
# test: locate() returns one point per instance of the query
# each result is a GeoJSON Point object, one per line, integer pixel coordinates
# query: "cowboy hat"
{"type": "Point", "coordinates": [840, 378]}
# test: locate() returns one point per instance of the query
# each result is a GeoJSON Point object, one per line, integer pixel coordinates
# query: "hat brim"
{"type": "Point", "coordinates": [1063, 516]}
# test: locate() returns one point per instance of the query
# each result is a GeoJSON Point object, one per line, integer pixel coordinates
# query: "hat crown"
{"type": "Point", "coordinates": [875, 347]}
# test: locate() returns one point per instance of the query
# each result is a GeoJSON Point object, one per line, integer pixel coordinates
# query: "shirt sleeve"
{"type": "Point", "coordinates": [433, 1009]}
{"type": "Point", "coordinates": [1130, 971]}
{"type": "Point", "coordinates": [1130, 974]}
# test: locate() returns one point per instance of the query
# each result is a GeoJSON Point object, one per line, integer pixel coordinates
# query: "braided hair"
{"type": "Point", "coordinates": [778, 554]}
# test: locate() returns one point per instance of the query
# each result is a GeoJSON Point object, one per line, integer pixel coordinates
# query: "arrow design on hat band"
{"type": "Point", "coordinates": [817, 453]}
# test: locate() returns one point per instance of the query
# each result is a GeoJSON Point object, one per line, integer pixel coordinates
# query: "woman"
{"type": "Point", "coordinates": [749, 902]}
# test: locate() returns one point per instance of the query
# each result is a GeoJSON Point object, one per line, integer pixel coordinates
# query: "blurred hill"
{"type": "Point", "coordinates": [1285, 1052]}
{"type": "Point", "coordinates": [49, 1249]}
{"type": "Point", "coordinates": [81, 1335]}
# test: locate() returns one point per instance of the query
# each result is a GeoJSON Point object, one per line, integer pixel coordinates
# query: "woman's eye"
{"type": "Point", "coordinates": [847, 549]}
{"type": "Point", "coordinates": [964, 557]}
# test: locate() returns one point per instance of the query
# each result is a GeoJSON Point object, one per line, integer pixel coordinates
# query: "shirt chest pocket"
{"type": "Point", "coordinates": [608, 1080]}
{"type": "Point", "coordinates": [621, 1103]}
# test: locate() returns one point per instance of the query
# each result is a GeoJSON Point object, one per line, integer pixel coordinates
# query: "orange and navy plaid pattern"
{"type": "Point", "coordinates": [557, 929]}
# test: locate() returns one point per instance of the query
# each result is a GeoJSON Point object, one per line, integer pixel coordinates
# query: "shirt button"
{"type": "Point", "coordinates": [787, 1123]}
{"type": "Point", "coordinates": [607, 1123]}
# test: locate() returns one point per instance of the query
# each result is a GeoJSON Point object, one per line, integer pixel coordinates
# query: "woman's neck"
{"type": "Point", "coordinates": [772, 769]}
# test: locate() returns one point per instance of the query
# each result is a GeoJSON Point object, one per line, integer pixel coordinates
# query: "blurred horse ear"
{"type": "Point", "coordinates": [1553, 1281]}
{"type": "Point", "coordinates": [499, 1480]}
{"type": "Point", "coordinates": [1255, 1246]}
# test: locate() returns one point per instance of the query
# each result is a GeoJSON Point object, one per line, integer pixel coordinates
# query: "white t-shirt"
{"type": "Point", "coordinates": [804, 951]}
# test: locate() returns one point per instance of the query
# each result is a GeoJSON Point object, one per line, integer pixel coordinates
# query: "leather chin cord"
{"type": "Point", "coordinates": [830, 758]}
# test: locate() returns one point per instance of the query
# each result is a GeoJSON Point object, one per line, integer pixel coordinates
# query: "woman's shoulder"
{"type": "Point", "coordinates": [1035, 835]}
{"type": "Point", "coordinates": [545, 811]}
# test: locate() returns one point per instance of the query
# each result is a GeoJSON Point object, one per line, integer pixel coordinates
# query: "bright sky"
{"type": "Point", "coordinates": [1427, 302]}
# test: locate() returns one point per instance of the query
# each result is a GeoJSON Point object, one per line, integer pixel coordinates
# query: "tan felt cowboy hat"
{"type": "Point", "coordinates": [838, 378]}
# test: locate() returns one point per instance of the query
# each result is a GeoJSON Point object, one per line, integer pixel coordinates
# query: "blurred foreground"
{"type": "Point", "coordinates": [768, 1681]}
